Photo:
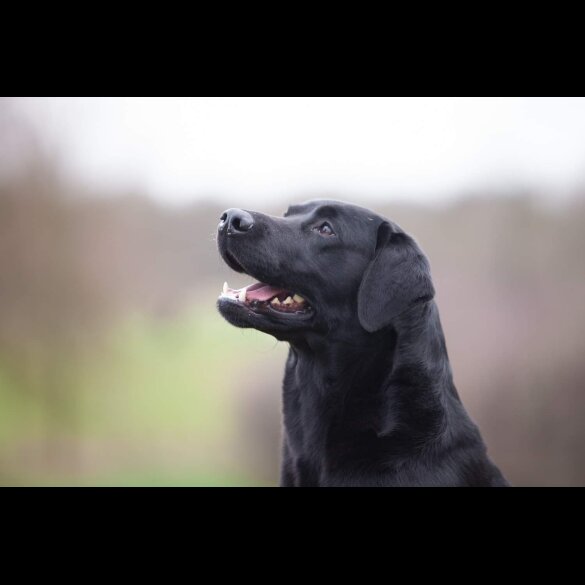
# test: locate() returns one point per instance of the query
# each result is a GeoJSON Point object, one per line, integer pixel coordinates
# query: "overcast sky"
{"type": "Point", "coordinates": [425, 149]}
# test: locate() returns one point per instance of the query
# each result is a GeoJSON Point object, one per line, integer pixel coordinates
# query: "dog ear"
{"type": "Point", "coordinates": [398, 277]}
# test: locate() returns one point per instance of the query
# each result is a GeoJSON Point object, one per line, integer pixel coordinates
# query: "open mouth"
{"type": "Point", "coordinates": [264, 297]}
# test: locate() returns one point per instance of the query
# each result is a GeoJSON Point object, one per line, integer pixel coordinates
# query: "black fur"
{"type": "Point", "coordinates": [368, 394]}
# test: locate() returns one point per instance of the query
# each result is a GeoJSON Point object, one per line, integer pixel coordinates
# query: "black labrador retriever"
{"type": "Point", "coordinates": [369, 398]}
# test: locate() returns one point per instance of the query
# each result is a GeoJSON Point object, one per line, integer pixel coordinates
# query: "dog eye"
{"type": "Point", "coordinates": [325, 229]}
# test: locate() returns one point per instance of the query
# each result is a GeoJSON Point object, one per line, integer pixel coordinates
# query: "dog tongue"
{"type": "Point", "coordinates": [262, 292]}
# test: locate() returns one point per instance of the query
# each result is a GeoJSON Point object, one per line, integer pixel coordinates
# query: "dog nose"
{"type": "Point", "coordinates": [236, 221]}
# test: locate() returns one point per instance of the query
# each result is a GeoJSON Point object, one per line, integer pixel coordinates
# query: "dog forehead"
{"type": "Point", "coordinates": [332, 207]}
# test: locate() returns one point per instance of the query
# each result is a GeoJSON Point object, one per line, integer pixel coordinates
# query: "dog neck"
{"type": "Point", "coordinates": [414, 340]}
{"type": "Point", "coordinates": [421, 344]}
{"type": "Point", "coordinates": [403, 369]}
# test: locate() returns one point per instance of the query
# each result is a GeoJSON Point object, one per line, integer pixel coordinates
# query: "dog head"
{"type": "Point", "coordinates": [325, 267]}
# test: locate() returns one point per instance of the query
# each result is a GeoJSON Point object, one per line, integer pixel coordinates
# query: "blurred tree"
{"type": "Point", "coordinates": [50, 305]}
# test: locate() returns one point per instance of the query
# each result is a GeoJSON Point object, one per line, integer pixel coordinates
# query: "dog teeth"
{"type": "Point", "coordinates": [298, 299]}
{"type": "Point", "coordinates": [225, 288]}
{"type": "Point", "coordinates": [287, 301]}
{"type": "Point", "coordinates": [275, 301]}
{"type": "Point", "coordinates": [243, 296]}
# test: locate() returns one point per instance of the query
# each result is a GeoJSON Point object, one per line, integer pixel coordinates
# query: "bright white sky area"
{"type": "Point", "coordinates": [418, 149]}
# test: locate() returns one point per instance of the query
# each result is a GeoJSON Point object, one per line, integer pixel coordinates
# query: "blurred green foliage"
{"type": "Point", "coordinates": [150, 384]}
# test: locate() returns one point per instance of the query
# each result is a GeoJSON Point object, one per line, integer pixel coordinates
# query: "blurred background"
{"type": "Point", "coordinates": [115, 367]}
